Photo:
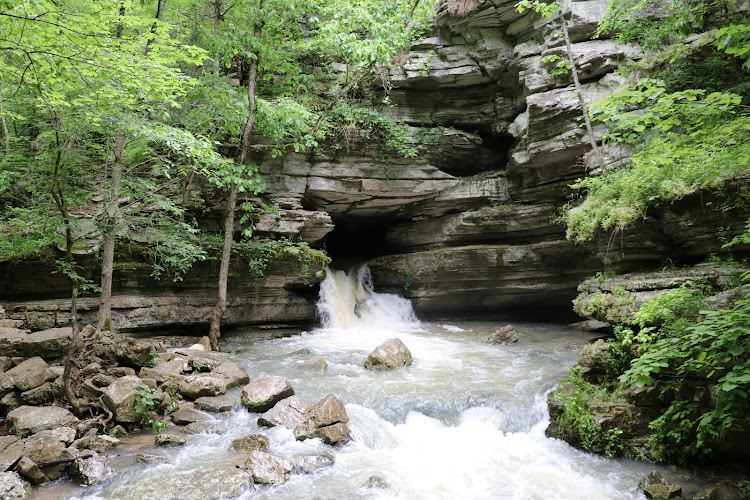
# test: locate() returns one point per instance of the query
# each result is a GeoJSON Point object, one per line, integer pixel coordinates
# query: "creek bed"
{"type": "Point", "coordinates": [465, 420]}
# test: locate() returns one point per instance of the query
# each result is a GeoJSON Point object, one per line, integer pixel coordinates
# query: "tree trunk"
{"type": "Point", "coordinates": [108, 246]}
{"type": "Point", "coordinates": [160, 5]}
{"type": "Point", "coordinates": [579, 93]}
{"type": "Point", "coordinates": [5, 125]}
{"type": "Point", "coordinates": [226, 253]}
{"type": "Point", "coordinates": [59, 196]}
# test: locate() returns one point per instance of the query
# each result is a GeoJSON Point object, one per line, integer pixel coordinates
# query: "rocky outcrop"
{"type": "Point", "coordinates": [505, 335]}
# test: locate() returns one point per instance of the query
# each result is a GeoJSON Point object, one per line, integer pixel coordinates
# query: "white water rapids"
{"type": "Point", "coordinates": [465, 421]}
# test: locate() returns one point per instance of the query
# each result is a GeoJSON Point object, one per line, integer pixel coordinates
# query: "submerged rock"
{"type": "Point", "coordinates": [376, 482]}
{"type": "Point", "coordinates": [505, 335]}
{"type": "Point", "coordinates": [169, 440]}
{"type": "Point", "coordinates": [251, 442]}
{"type": "Point", "coordinates": [264, 392]}
{"type": "Point", "coordinates": [389, 355]}
{"type": "Point", "coordinates": [307, 464]}
{"type": "Point", "coordinates": [269, 469]}
{"type": "Point", "coordinates": [655, 487]}
{"type": "Point", "coordinates": [216, 404]}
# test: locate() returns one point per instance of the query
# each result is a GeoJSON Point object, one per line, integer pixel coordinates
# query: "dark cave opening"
{"type": "Point", "coordinates": [356, 239]}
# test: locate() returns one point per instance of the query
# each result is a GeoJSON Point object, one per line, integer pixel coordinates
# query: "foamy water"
{"type": "Point", "coordinates": [465, 421]}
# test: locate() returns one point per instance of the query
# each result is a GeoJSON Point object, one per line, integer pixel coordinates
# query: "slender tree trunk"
{"type": "Point", "coordinates": [226, 253]}
{"type": "Point", "coordinates": [217, 4]}
{"type": "Point", "coordinates": [108, 246]}
{"type": "Point", "coordinates": [160, 5]}
{"type": "Point", "coordinates": [59, 197]}
{"type": "Point", "coordinates": [5, 125]}
{"type": "Point", "coordinates": [579, 93]}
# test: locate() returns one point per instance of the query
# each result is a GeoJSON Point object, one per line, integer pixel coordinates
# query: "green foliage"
{"type": "Point", "coordinates": [349, 122]}
{"type": "Point", "coordinates": [575, 395]}
{"type": "Point", "coordinates": [146, 403]}
{"type": "Point", "coordinates": [26, 234]}
{"type": "Point", "coordinates": [735, 41]}
{"type": "Point", "coordinates": [687, 141]}
{"type": "Point", "coordinates": [716, 349]}
{"type": "Point", "coordinates": [561, 66]}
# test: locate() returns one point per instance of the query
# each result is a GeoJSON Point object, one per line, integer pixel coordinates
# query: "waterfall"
{"type": "Point", "coordinates": [349, 301]}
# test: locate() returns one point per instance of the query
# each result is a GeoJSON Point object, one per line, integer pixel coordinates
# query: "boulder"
{"type": "Point", "coordinates": [188, 415]}
{"type": "Point", "coordinates": [204, 482]}
{"type": "Point", "coordinates": [203, 364]}
{"type": "Point", "coordinates": [28, 374]}
{"type": "Point", "coordinates": [11, 323]}
{"type": "Point", "coordinates": [11, 449]}
{"type": "Point", "coordinates": [505, 335]}
{"type": "Point", "coordinates": [269, 469]}
{"type": "Point", "coordinates": [6, 364]}
{"type": "Point", "coordinates": [204, 427]}
{"type": "Point", "coordinates": [594, 359]}
{"type": "Point", "coordinates": [126, 351]}
{"type": "Point", "coordinates": [120, 398]}
{"type": "Point", "coordinates": [13, 487]}
{"type": "Point", "coordinates": [92, 469]}
{"type": "Point", "coordinates": [169, 440]}
{"type": "Point", "coordinates": [376, 482]}
{"type": "Point", "coordinates": [195, 386]}
{"type": "Point", "coordinates": [251, 442]}
{"type": "Point", "coordinates": [10, 402]}
{"type": "Point", "coordinates": [30, 471]}
{"type": "Point", "coordinates": [655, 487]}
{"type": "Point", "coordinates": [27, 420]}
{"type": "Point", "coordinates": [46, 448]}
{"type": "Point", "coordinates": [315, 365]}
{"type": "Point", "coordinates": [389, 355]}
{"type": "Point", "coordinates": [264, 392]}
{"type": "Point", "coordinates": [289, 412]}
{"type": "Point", "coordinates": [233, 373]}
{"type": "Point", "coordinates": [325, 420]}
{"type": "Point", "coordinates": [151, 458]}
{"type": "Point", "coordinates": [41, 394]}
{"type": "Point", "coordinates": [216, 404]}
{"type": "Point", "coordinates": [98, 443]}
{"type": "Point", "coordinates": [65, 435]}
{"type": "Point", "coordinates": [52, 343]}
{"type": "Point", "coordinates": [165, 371]}
{"type": "Point", "coordinates": [10, 341]}
{"type": "Point", "coordinates": [307, 464]}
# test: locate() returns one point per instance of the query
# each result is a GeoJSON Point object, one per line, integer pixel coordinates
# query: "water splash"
{"type": "Point", "coordinates": [349, 301]}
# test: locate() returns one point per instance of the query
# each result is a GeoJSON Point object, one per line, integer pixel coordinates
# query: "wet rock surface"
{"type": "Point", "coordinates": [264, 392]}
{"type": "Point", "coordinates": [389, 355]}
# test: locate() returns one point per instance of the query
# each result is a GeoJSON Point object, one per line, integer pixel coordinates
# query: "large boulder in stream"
{"type": "Point", "coordinates": [264, 392]}
{"type": "Point", "coordinates": [389, 355]}
{"type": "Point", "coordinates": [505, 336]}
{"type": "Point", "coordinates": [325, 420]}
{"type": "Point", "coordinates": [289, 412]}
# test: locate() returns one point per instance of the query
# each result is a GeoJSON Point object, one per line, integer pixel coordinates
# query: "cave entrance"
{"type": "Point", "coordinates": [355, 240]}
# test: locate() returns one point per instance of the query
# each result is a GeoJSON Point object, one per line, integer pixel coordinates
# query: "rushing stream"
{"type": "Point", "coordinates": [465, 421]}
